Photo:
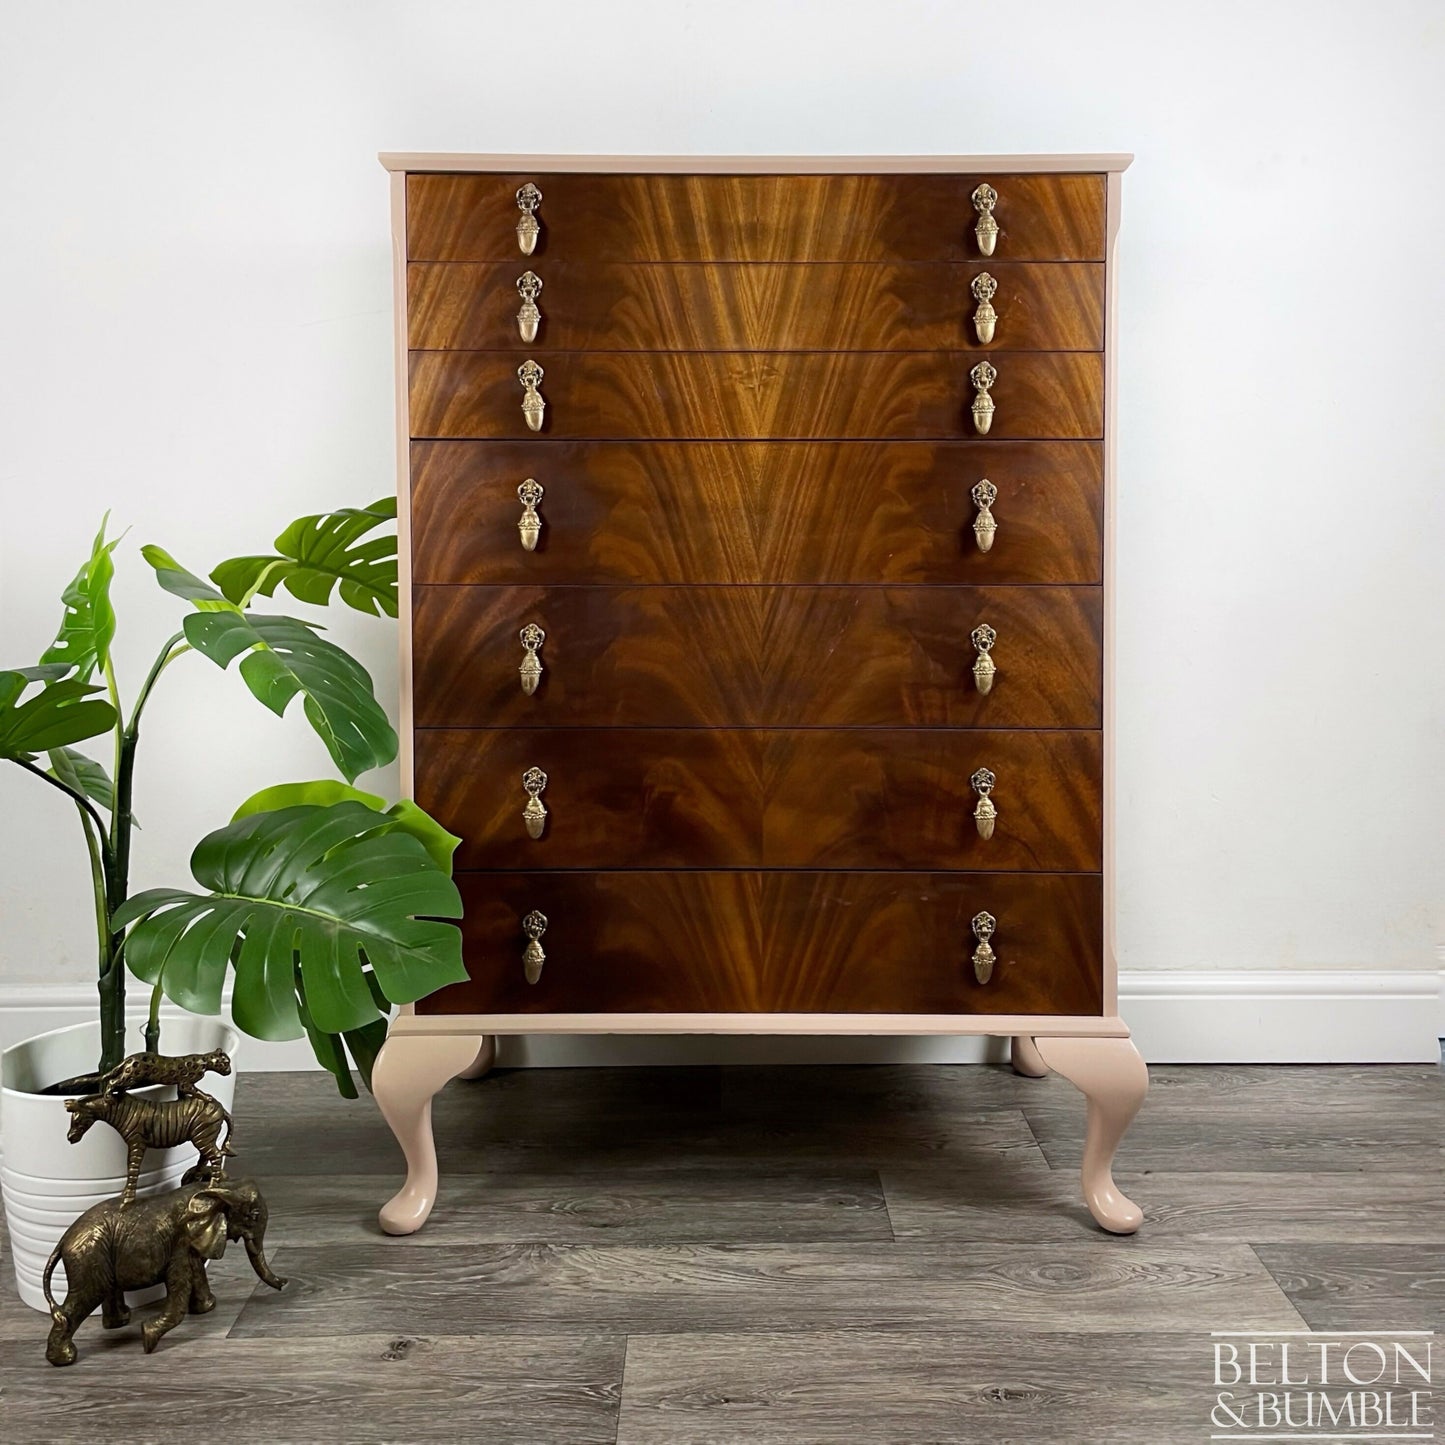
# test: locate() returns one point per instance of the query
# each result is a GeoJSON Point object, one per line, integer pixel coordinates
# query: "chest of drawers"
{"type": "Point", "coordinates": [755, 522]}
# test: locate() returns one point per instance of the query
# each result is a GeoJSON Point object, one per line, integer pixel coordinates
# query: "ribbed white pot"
{"type": "Point", "coordinates": [47, 1182]}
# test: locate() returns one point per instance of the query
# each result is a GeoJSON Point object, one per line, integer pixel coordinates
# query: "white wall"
{"type": "Point", "coordinates": [196, 333]}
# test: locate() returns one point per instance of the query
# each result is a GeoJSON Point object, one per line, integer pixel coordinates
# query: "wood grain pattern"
{"type": "Point", "coordinates": [728, 307]}
{"type": "Point", "coordinates": [606, 1205]}
{"type": "Point", "coordinates": [1356, 1286]}
{"type": "Point", "coordinates": [755, 218]}
{"type": "Point", "coordinates": [744, 395]}
{"type": "Point", "coordinates": [581, 1289]}
{"type": "Point", "coordinates": [698, 512]}
{"type": "Point", "coordinates": [779, 942]}
{"type": "Point", "coordinates": [747, 656]}
{"type": "Point", "coordinates": [949, 1385]}
{"type": "Point", "coordinates": [939, 1202]}
{"type": "Point", "coordinates": [758, 798]}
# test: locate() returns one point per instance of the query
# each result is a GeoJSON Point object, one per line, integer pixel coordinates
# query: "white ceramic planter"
{"type": "Point", "coordinates": [47, 1182]}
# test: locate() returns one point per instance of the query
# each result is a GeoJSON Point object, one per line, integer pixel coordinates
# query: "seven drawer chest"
{"type": "Point", "coordinates": [756, 541]}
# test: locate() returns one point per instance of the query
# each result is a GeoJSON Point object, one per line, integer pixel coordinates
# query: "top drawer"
{"type": "Point", "coordinates": [755, 218]}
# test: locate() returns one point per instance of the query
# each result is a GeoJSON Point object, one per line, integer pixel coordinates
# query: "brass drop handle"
{"type": "Point", "coordinates": [534, 815]}
{"type": "Point", "coordinates": [529, 318]}
{"type": "Point", "coordinates": [984, 289]}
{"type": "Point", "coordinates": [531, 637]}
{"type": "Point", "coordinates": [985, 815]}
{"type": "Point", "coordinates": [985, 229]}
{"type": "Point", "coordinates": [985, 494]}
{"type": "Point", "coordinates": [985, 669]}
{"type": "Point", "coordinates": [528, 226]}
{"type": "Point", "coordinates": [530, 375]}
{"type": "Point", "coordinates": [982, 376]}
{"type": "Point", "coordinates": [529, 494]}
{"type": "Point", "coordinates": [534, 925]}
{"type": "Point", "coordinates": [984, 957]}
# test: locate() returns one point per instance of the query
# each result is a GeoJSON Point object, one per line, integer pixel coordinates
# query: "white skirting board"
{"type": "Point", "coordinates": [1199, 1017]}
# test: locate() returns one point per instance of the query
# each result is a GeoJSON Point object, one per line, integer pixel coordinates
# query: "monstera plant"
{"type": "Point", "coordinates": [328, 906]}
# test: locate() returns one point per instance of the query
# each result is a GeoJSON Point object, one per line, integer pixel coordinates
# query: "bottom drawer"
{"type": "Point", "coordinates": [776, 942]}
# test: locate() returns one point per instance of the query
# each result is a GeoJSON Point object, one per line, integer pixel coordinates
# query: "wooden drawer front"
{"type": "Point", "coordinates": [747, 394]}
{"type": "Point", "coordinates": [760, 798]}
{"type": "Point", "coordinates": [746, 656]}
{"type": "Point", "coordinates": [865, 512]}
{"type": "Point", "coordinates": [730, 307]}
{"type": "Point", "coordinates": [700, 942]}
{"type": "Point", "coordinates": [754, 218]}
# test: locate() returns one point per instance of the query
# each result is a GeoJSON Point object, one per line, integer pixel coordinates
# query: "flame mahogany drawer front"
{"type": "Point", "coordinates": [756, 942]}
{"type": "Point", "coordinates": [831, 306]}
{"type": "Point", "coordinates": [765, 798]}
{"type": "Point", "coordinates": [755, 218]}
{"type": "Point", "coordinates": [802, 456]}
{"type": "Point", "coordinates": [745, 395]}
{"type": "Point", "coordinates": [841, 512]}
{"type": "Point", "coordinates": [754, 656]}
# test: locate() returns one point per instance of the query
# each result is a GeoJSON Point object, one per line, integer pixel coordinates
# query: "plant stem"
{"type": "Point", "coordinates": [260, 581]}
{"type": "Point", "coordinates": [153, 1022]}
{"type": "Point", "coordinates": [122, 827]}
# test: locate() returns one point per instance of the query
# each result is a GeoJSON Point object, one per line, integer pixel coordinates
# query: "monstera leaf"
{"type": "Point", "coordinates": [85, 776]}
{"type": "Point", "coordinates": [336, 898]}
{"type": "Point", "coordinates": [280, 657]}
{"type": "Point", "coordinates": [88, 627]}
{"type": "Point", "coordinates": [405, 815]}
{"type": "Point", "coordinates": [320, 554]}
{"type": "Point", "coordinates": [64, 711]}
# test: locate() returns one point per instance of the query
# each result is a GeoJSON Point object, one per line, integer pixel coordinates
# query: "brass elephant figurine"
{"type": "Point", "coordinates": [165, 1239]}
{"type": "Point", "coordinates": [143, 1123]}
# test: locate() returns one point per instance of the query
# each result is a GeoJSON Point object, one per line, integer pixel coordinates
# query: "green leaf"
{"type": "Point", "coordinates": [332, 1057]}
{"type": "Point", "coordinates": [88, 627]}
{"type": "Point", "coordinates": [84, 775]}
{"type": "Point", "coordinates": [320, 554]}
{"type": "Point", "coordinates": [321, 793]}
{"type": "Point", "coordinates": [181, 583]}
{"type": "Point", "coordinates": [59, 714]}
{"type": "Point", "coordinates": [284, 656]}
{"type": "Point", "coordinates": [332, 889]}
{"type": "Point", "coordinates": [406, 816]}
{"type": "Point", "coordinates": [364, 1044]}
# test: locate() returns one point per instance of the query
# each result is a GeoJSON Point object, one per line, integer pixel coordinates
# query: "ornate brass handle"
{"type": "Point", "coordinates": [529, 494]}
{"type": "Point", "coordinates": [984, 289]}
{"type": "Point", "coordinates": [982, 376]}
{"type": "Point", "coordinates": [534, 815]}
{"type": "Point", "coordinates": [985, 494]}
{"type": "Point", "coordinates": [529, 318]}
{"type": "Point", "coordinates": [531, 638]}
{"type": "Point", "coordinates": [985, 815]}
{"type": "Point", "coordinates": [528, 226]}
{"type": "Point", "coordinates": [985, 668]}
{"type": "Point", "coordinates": [984, 957]}
{"type": "Point", "coordinates": [534, 925]}
{"type": "Point", "coordinates": [985, 229]}
{"type": "Point", "coordinates": [530, 375]}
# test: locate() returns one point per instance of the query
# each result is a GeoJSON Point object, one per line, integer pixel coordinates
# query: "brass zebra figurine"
{"type": "Point", "coordinates": [144, 1124]}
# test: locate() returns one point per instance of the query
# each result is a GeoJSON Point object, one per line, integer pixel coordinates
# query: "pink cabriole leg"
{"type": "Point", "coordinates": [1025, 1057]}
{"type": "Point", "coordinates": [486, 1057]}
{"type": "Point", "coordinates": [409, 1069]}
{"type": "Point", "coordinates": [1113, 1078]}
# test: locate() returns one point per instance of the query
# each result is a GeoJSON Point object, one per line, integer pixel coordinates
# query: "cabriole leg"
{"type": "Point", "coordinates": [1025, 1057]}
{"type": "Point", "coordinates": [486, 1057]}
{"type": "Point", "coordinates": [1113, 1078]}
{"type": "Point", "coordinates": [409, 1069]}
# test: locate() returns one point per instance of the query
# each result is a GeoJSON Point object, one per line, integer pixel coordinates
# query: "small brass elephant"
{"type": "Point", "coordinates": [166, 1239]}
{"type": "Point", "coordinates": [144, 1124]}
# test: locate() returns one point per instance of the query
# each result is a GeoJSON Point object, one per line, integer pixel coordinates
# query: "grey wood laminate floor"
{"type": "Point", "coordinates": [888, 1254]}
